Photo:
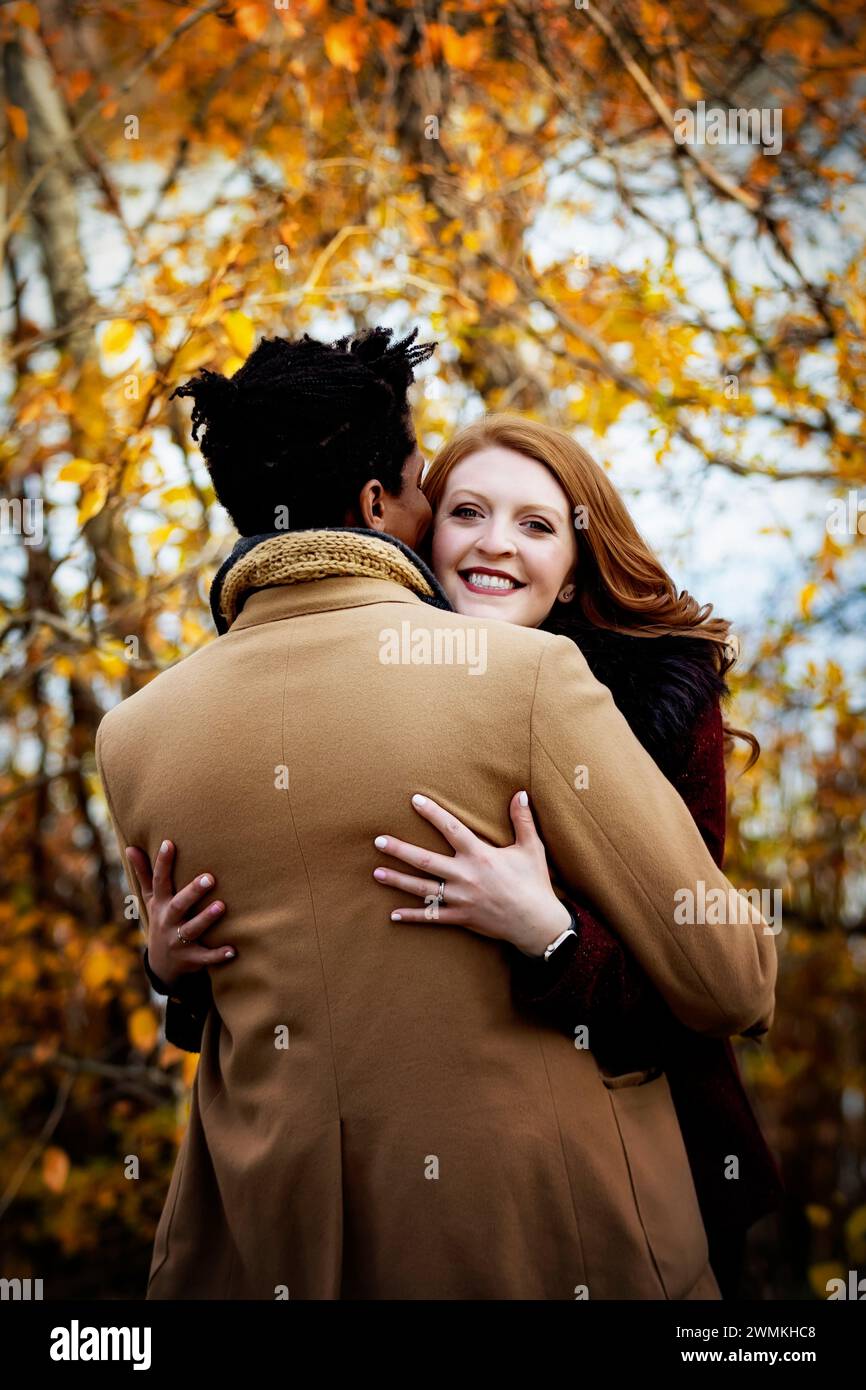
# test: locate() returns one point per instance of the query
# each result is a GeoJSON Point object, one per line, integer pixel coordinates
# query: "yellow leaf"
{"type": "Point", "coordinates": [240, 331]}
{"type": "Point", "coordinates": [807, 598]}
{"type": "Point", "coordinates": [818, 1216]}
{"type": "Point", "coordinates": [77, 471]}
{"type": "Point", "coordinates": [55, 1169]}
{"type": "Point", "coordinates": [178, 494]}
{"type": "Point", "coordinates": [98, 967]}
{"type": "Point", "coordinates": [143, 1029]}
{"type": "Point", "coordinates": [192, 632]}
{"type": "Point", "coordinates": [346, 43]}
{"type": "Point", "coordinates": [161, 535]}
{"type": "Point", "coordinates": [194, 353]}
{"type": "Point", "coordinates": [117, 336]}
{"type": "Point", "coordinates": [17, 121]}
{"type": "Point", "coordinates": [112, 666]}
{"type": "Point", "coordinates": [501, 289]}
{"type": "Point", "coordinates": [32, 409]}
{"type": "Point", "coordinates": [94, 495]}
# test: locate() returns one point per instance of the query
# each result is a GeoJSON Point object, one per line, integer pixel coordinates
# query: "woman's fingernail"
{"type": "Point", "coordinates": [380, 841]}
{"type": "Point", "coordinates": [205, 880]}
{"type": "Point", "coordinates": [380, 873]}
{"type": "Point", "coordinates": [523, 799]}
{"type": "Point", "coordinates": [215, 908]}
{"type": "Point", "coordinates": [165, 847]}
{"type": "Point", "coordinates": [395, 917]}
{"type": "Point", "coordinates": [419, 800]}
{"type": "Point", "coordinates": [230, 954]}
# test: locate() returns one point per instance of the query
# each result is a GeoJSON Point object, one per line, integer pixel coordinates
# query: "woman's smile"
{"type": "Point", "coordinates": [482, 580]}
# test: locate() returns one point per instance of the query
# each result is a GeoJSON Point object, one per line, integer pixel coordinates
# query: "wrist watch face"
{"type": "Point", "coordinates": [569, 931]}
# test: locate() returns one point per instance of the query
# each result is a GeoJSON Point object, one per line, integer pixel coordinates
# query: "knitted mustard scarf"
{"type": "Point", "coordinates": [298, 557]}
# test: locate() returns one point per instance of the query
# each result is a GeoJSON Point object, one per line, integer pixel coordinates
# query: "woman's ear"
{"type": "Point", "coordinates": [567, 594]}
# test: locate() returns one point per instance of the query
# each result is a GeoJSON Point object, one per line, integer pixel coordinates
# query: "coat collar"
{"type": "Point", "coordinates": [283, 572]}
{"type": "Point", "coordinates": [318, 596]}
{"type": "Point", "coordinates": [660, 684]}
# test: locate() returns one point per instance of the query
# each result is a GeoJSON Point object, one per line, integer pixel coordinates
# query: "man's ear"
{"type": "Point", "coordinates": [370, 505]}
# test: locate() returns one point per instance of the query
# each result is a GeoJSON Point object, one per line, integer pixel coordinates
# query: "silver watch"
{"type": "Point", "coordinates": [569, 931]}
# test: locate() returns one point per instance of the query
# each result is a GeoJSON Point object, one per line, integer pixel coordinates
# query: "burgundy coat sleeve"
{"type": "Point", "coordinates": [592, 979]}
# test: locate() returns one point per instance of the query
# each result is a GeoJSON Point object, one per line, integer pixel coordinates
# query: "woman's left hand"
{"type": "Point", "coordinates": [502, 893]}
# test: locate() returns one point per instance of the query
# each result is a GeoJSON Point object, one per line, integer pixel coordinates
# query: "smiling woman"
{"type": "Point", "coordinates": [516, 497]}
{"type": "Point", "coordinates": [504, 545]}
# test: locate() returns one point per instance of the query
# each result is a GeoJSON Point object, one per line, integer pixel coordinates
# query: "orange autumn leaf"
{"type": "Point", "coordinates": [459, 50]}
{"type": "Point", "coordinates": [17, 121]}
{"type": "Point", "coordinates": [77, 83]}
{"type": "Point", "coordinates": [252, 20]}
{"type": "Point", "coordinates": [55, 1169]}
{"type": "Point", "coordinates": [346, 43]}
{"type": "Point", "coordinates": [387, 34]}
{"type": "Point", "coordinates": [501, 289]}
{"type": "Point", "coordinates": [28, 15]}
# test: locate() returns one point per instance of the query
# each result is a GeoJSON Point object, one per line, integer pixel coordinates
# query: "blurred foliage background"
{"type": "Point", "coordinates": [179, 180]}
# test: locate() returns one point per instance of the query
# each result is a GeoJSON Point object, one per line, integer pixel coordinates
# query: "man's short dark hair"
{"type": "Point", "coordinates": [303, 425]}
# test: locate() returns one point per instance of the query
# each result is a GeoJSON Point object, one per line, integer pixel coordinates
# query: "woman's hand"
{"type": "Point", "coordinates": [502, 893]}
{"type": "Point", "coordinates": [166, 911]}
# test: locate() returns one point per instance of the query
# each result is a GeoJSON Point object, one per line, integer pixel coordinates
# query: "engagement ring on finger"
{"type": "Point", "coordinates": [440, 894]}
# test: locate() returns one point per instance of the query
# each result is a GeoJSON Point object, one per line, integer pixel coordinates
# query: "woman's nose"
{"type": "Point", "coordinates": [495, 539]}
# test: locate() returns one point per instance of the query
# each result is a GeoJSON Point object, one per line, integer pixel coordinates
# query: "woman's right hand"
{"type": "Point", "coordinates": [166, 910]}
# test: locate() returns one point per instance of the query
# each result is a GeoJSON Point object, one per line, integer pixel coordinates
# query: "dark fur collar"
{"type": "Point", "coordinates": [660, 684]}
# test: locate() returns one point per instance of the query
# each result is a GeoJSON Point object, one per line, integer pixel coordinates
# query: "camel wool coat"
{"type": "Point", "coordinates": [372, 1116]}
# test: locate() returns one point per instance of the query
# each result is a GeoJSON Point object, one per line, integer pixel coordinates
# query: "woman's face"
{"type": "Point", "coordinates": [503, 539]}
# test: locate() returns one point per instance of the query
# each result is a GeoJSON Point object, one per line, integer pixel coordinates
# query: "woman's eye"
{"type": "Point", "coordinates": [543, 525]}
{"type": "Point", "coordinates": [458, 511]}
